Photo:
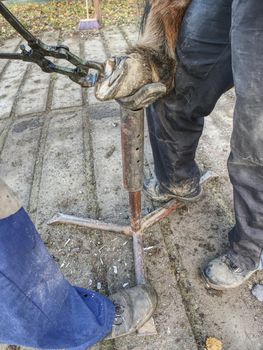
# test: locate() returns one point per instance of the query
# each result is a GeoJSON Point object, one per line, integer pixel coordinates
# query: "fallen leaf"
{"type": "Point", "coordinates": [213, 344]}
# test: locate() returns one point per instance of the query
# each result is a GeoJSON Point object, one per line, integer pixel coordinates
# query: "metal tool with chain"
{"type": "Point", "coordinates": [37, 52]}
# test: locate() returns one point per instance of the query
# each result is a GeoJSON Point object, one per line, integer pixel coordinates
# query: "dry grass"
{"type": "Point", "coordinates": [66, 14]}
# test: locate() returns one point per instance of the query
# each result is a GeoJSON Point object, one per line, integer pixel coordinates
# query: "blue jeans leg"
{"type": "Point", "coordinates": [38, 307]}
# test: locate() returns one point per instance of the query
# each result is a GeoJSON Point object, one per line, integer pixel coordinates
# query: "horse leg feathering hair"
{"type": "Point", "coordinates": [160, 28]}
{"type": "Point", "coordinates": [153, 58]}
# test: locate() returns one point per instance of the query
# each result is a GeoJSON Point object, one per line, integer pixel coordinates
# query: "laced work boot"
{"type": "Point", "coordinates": [222, 273]}
{"type": "Point", "coordinates": [183, 192]}
{"type": "Point", "coordinates": [133, 307]}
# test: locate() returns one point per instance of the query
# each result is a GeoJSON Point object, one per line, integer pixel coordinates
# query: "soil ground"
{"type": "Point", "coordinates": [60, 151]}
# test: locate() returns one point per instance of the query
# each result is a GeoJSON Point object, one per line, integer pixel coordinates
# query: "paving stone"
{"type": "Point", "coordinates": [9, 85]}
{"type": "Point", "coordinates": [67, 93]}
{"type": "Point", "coordinates": [94, 50]}
{"type": "Point", "coordinates": [63, 166]}
{"type": "Point", "coordinates": [102, 110]}
{"type": "Point", "coordinates": [19, 155]}
{"type": "Point", "coordinates": [115, 41]}
{"type": "Point", "coordinates": [3, 124]}
{"type": "Point", "coordinates": [107, 155]}
{"type": "Point", "coordinates": [33, 95]}
{"type": "Point", "coordinates": [63, 188]}
{"type": "Point", "coordinates": [131, 33]}
{"type": "Point", "coordinates": [91, 97]}
{"type": "Point", "coordinates": [225, 315]}
{"type": "Point", "coordinates": [8, 46]}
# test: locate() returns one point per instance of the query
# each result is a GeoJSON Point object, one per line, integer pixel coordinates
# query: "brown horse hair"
{"type": "Point", "coordinates": [162, 22]}
{"type": "Point", "coordinates": [160, 27]}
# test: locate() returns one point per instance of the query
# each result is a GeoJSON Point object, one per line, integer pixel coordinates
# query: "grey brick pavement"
{"type": "Point", "coordinates": [60, 151]}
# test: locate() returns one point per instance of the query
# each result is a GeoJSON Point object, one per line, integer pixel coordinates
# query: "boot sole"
{"type": "Point", "coordinates": [211, 285]}
{"type": "Point", "coordinates": [154, 301]}
{"type": "Point", "coordinates": [172, 196]}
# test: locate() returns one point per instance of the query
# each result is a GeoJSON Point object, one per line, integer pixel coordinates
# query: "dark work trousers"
{"type": "Point", "coordinates": [221, 44]}
{"type": "Point", "coordinates": [39, 308]}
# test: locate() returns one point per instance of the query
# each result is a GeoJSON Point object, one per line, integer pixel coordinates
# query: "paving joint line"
{"type": "Point", "coordinates": [38, 166]}
{"type": "Point", "coordinates": [111, 345]}
{"type": "Point", "coordinates": [84, 92]}
{"type": "Point", "coordinates": [129, 43]}
{"type": "Point", "coordinates": [104, 43]}
{"type": "Point", "coordinates": [88, 155]}
{"type": "Point", "coordinates": [12, 116]}
{"type": "Point", "coordinates": [175, 264]}
{"type": "Point", "coordinates": [53, 77]}
{"type": "Point", "coordinates": [9, 61]}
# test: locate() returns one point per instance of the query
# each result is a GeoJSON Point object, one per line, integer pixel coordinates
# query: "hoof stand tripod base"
{"type": "Point", "coordinates": [132, 144]}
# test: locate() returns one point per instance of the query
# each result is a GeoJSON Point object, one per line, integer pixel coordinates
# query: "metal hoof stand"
{"type": "Point", "coordinates": [132, 139]}
{"type": "Point", "coordinates": [132, 135]}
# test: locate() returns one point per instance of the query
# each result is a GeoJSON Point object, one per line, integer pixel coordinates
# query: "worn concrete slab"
{"type": "Point", "coordinates": [33, 95]}
{"type": "Point", "coordinates": [94, 50]}
{"type": "Point", "coordinates": [8, 46]}
{"type": "Point", "coordinates": [107, 155]}
{"type": "Point", "coordinates": [63, 166]}
{"type": "Point", "coordinates": [66, 93]}
{"type": "Point", "coordinates": [3, 124]}
{"type": "Point", "coordinates": [114, 40]}
{"type": "Point", "coordinates": [64, 188]}
{"type": "Point", "coordinates": [130, 33]}
{"type": "Point", "coordinates": [18, 157]}
{"type": "Point", "coordinates": [11, 81]}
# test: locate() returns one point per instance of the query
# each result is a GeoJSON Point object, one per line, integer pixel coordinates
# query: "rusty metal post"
{"type": "Point", "coordinates": [132, 139]}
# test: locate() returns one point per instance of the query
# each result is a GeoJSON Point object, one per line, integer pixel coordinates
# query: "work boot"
{"type": "Point", "coordinates": [133, 307]}
{"type": "Point", "coordinates": [183, 192]}
{"type": "Point", "coordinates": [222, 273]}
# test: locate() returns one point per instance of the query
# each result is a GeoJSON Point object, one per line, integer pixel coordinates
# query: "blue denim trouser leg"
{"type": "Point", "coordinates": [38, 306]}
{"type": "Point", "coordinates": [220, 42]}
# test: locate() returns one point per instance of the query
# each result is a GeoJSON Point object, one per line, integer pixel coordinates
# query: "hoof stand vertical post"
{"type": "Point", "coordinates": [132, 142]}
